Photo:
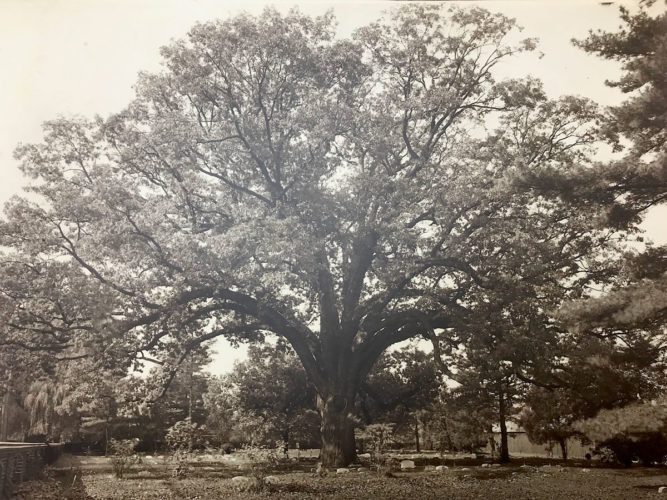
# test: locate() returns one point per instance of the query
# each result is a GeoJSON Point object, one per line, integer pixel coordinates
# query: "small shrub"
{"type": "Point", "coordinates": [227, 448]}
{"type": "Point", "coordinates": [185, 435]}
{"type": "Point", "coordinates": [634, 432]}
{"type": "Point", "coordinates": [123, 458]}
{"type": "Point", "coordinates": [320, 471]}
{"type": "Point", "coordinates": [650, 449]}
{"type": "Point", "coordinates": [377, 437]}
{"type": "Point", "coordinates": [181, 470]}
{"type": "Point", "coordinates": [262, 462]}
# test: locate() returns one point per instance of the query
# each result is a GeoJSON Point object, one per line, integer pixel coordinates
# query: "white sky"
{"type": "Point", "coordinates": [65, 57]}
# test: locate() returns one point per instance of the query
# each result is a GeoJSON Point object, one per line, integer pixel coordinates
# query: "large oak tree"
{"type": "Point", "coordinates": [272, 179]}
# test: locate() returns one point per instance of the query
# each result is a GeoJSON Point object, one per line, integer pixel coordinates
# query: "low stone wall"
{"type": "Point", "coordinates": [22, 461]}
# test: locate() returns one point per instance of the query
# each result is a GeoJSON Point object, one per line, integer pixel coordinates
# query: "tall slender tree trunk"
{"type": "Point", "coordinates": [502, 415]}
{"type": "Point", "coordinates": [6, 401]}
{"type": "Point", "coordinates": [417, 447]}
{"type": "Point", "coordinates": [106, 437]}
{"type": "Point", "coordinates": [286, 441]}
{"type": "Point", "coordinates": [4, 423]}
{"type": "Point", "coordinates": [447, 441]}
{"type": "Point", "coordinates": [563, 447]}
{"type": "Point", "coordinates": [190, 392]}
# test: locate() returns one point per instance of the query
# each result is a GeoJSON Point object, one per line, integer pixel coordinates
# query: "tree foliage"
{"type": "Point", "coordinates": [461, 421]}
{"type": "Point", "coordinates": [637, 430]}
{"type": "Point", "coordinates": [343, 195]}
{"type": "Point", "coordinates": [264, 399]}
{"type": "Point", "coordinates": [549, 417]}
{"type": "Point", "coordinates": [638, 180]}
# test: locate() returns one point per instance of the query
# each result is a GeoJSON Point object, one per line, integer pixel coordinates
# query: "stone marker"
{"type": "Point", "coordinates": [662, 489]}
{"type": "Point", "coordinates": [441, 467]}
{"type": "Point", "coordinates": [407, 464]}
{"type": "Point", "coordinates": [495, 465]}
{"type": "Point", "coordinates": [241, 479]}
{"type": "Point", "coordinates": [585, 470]}
{"type": "Point", "coordinates": [486, 465]}
{"type": "Point", "coordinates": [342, 470]}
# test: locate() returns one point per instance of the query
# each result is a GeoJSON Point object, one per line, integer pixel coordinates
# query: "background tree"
{"type": "Point", "coordinates": [462, 421]}
{"type": "Point", "coordinates": [176, 395]}
{"type": "Point", "coordinates": [16, 368]}
{"type": "Point", "coordinates": [220, 404]}
{"type": "Point", "coordinates": [273, 398]}
{"type": "Point", "coordinates": [537, 254]}
{"type": "Point", "coordinates": [600, 374]}
{"type": "Point", "coordinates": [78, 404]}
{"type": "Point", "coordinates": [399, 390]}
{"type": "Point", "coordinates": [548, 417]}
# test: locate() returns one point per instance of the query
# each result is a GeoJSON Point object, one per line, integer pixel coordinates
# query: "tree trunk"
{"type": "Point", "coordinates": [4, 423]}
{"type": "Point", "coordinates": [417, 435]}
{"type": "Point", "coordinates": [6, 401]}
{"type": "Point", "coordinates": [504, 448]}
{"type": "Point", "coordinates": [563, 448]}
{"type": "Point", "coordinates": [337, 430]}
{"type": "Point", "coordinates": [286, 442]}
{"type": "Point", "coordinates": [447, 442]}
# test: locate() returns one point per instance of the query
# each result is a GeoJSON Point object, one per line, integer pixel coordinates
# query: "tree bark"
{"type": "Point", "coordinates": [286, 441]}
{"type": "Point", "coordinates": [337, 431]}
{"type": "Point", "coordinates": [417, 435]}
{"type": "Point", "coordinates": [563, 448]}
{"type": "Point", "coordinates": [4, 422]}
{"type": "Point", "coordinates": [502, 413]}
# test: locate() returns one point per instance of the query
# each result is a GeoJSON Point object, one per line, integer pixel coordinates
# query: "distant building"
{"type": "Point", "coordinates": [519, 445]}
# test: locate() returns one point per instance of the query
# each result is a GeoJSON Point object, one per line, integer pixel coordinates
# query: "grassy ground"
{"type": "Point", "coordinates": [91, 478]}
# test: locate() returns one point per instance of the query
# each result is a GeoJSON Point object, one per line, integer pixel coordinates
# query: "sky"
{"type": "Point", "coordinates": [81, 57]}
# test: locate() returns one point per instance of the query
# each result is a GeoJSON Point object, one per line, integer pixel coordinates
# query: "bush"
{"type": "Point", "coordinates": [227, 448]}
{"type": "Point", "coordinates": [182, 467]}
{"type": "Point", "coordinates": [376, 438]}
{"type": "Point", "coordinates": [637, 431]}
{"type": "Point", "coordinates": [123, 458]}
{"type": "Point", "coordinates": [262, 462]}
{"type": "Point", "coordinates": [185, 435]}
{"type": "Point", "coordinates": [651, 449]}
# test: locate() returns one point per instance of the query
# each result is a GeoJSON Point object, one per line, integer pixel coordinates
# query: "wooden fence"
{"type": "Point", "coordinates": [22, 461]}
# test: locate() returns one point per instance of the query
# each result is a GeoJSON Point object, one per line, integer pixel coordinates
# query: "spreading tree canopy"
{"type": "Point", "coordinates": [273, 179]}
